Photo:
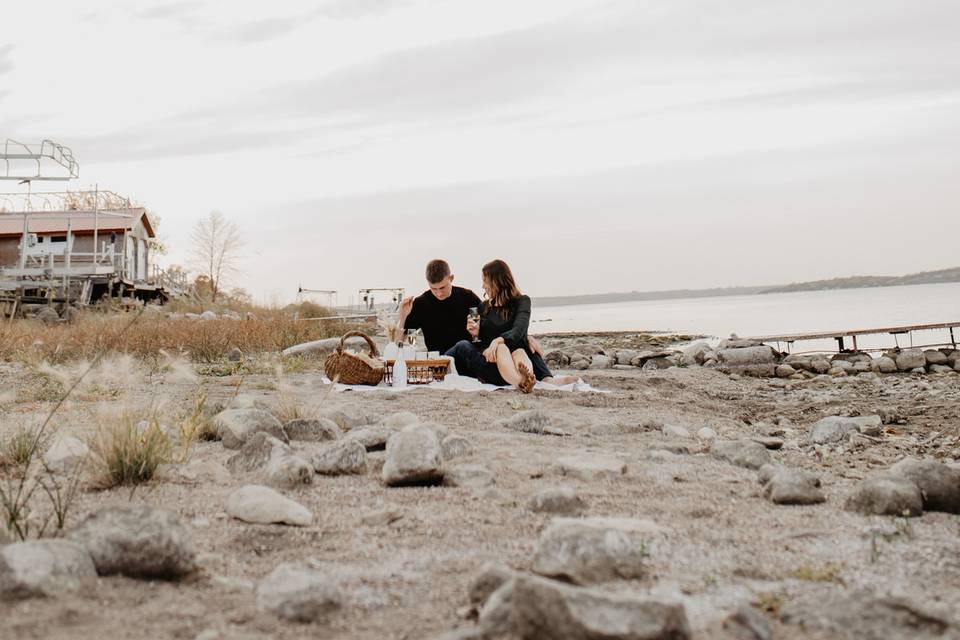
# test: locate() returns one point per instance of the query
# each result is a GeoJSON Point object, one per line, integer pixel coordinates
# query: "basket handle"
{"type": "Point", "coordinates": [359, 334]}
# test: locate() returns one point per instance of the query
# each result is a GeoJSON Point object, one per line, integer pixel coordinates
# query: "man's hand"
{"type": "Point", "coordinates": [535, 346]}
{"type": "Point", "coordinates": [405, 308]}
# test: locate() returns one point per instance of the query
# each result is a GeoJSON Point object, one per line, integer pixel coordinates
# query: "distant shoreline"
{"type": "Point", "coordinates": [942, 276]}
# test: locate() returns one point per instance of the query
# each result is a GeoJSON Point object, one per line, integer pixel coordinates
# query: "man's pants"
{"type": "Point", "coordinates": [469, 360]}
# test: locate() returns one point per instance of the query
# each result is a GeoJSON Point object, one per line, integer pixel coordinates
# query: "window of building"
{"type": "Point", "coordinates": [58, 238]}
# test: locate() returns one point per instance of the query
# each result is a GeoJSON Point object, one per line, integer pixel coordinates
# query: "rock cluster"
{"type": "Point", "coordinates": [750, 357]}
{"type": "Point", "coordinates": [907, 489]}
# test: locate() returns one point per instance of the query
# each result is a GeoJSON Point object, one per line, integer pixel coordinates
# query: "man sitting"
{"type": "Point", "coordinates": [441, 313]}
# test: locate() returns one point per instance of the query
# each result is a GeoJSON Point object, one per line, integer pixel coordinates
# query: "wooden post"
{"type": "Point", "coordinates": [66, 275]}
{"type": "Point", "coordinates": [96, 220]}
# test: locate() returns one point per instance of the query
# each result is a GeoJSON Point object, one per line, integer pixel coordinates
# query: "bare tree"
{"type": "Point", "coordinates": [216, 250]}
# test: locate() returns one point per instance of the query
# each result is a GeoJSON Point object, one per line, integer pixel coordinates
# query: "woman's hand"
{"type": "Point", "coordinates": [490, 353]}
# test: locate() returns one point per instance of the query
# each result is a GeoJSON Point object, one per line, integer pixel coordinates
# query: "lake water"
{"type": "Point", "coordinates": [774, 313]}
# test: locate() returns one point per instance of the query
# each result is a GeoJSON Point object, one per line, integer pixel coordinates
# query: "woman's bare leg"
{"type": "Point", "coordinates": [561, 380]}
{"type": "Point", "coordinates": [507, 367]}
{"type": "Point", "coordinates": [522, 361]}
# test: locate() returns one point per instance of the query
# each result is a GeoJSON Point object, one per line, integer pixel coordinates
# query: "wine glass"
{"type": "Point", "coordinates": [474, 315]}
{"type": "Point", "coordinates": [412, 337]}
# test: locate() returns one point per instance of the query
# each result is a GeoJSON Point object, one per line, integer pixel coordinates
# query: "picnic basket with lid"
{"type": "Point", "coordinates": [351, 368]}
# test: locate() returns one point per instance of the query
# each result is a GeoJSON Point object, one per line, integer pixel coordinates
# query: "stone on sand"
{"type": "Point", "coordinates": [299, 594]}
{"type": "Point", "coordinates": [590, 466]}
{"type": "Point", "coordinates": [39, 568]}
{"type": "Point", "coordinates": [413, 458]}
{"type": "Point", "coordinates": [257, 504]}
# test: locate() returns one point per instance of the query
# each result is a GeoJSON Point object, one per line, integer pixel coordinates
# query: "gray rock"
{"type": "Point", "coordinates": [279, 465]}
{"type": "Point", "coordinates": [535, 421]}
{"type": "Point", "coordinates": [746, 623]}
{"type": "Point", "coordinates": [696, 353]}
{"type": "Point", "coordinates": [792, 486]}
{"type": "Point", "coordinates": [455, 447]}
{"type": "Point", "coordinates": [468, 476]}
{"type": "Point", "coordinates": [558, 500]}
{"type": "Point", "coordinates": [235, 355]}
{"type": "Point", "coordinates": [845, 365]}
{"type": "Point", "coordinates": [138, 541]}
{"type": "Point", "coordinates": [345, 421]}
{"type": "Point", "coordinates": [655, 364]}
{"type": "Point", "coordinates": [911, 359]}
{"type": "Point", "coordinates": [747, 356]}
{"type": "Point", "coordinates": [590, 466]}
{"type": "Point", "coordinates": [580, 364]}
{"type": "Point", "coordinates": [548, 609]}
{"type": "Point", "coordinates": [413, 458]}
{"type": "Point", "coordinates": [933, 356]}
{"type": "Point", "coordinates": [40, 568]}
{"type": "Point", "coordinates": [65, 454]}
{"type": "Point", "coordinates": [381, 518]}
{"type": "Point", "coordinates": [257, 504]}
{"type": "Point", "coordinates": [938, 483]}
{"type": "Point", "coordinates": [299, 594]}
{"type": "Point", "coordinates": [837, 428]}
{"type": "Point", "coordinates": [626, 356]}
{"type": "Point", "coordinates": [767, 471]}
{"type": "Point", "coordinates": [312, 429]}
{"type": "Point", "coordinates": [862, 615]}
{"type": "Point", "coordinates": [940, 368]}
{"type": "Point", "coordinates": [734, 342]}
{"type": "Point", "coordinates": [593, 550]}
{"type": "Point", "coordinates": [496, 614]}
{"type": "Point", "coordinates": [769, 442]}
{"type": "Point", "coordinates": [820, 365]}
{"type": "Point", "coordinates": [742, 453]}
{"type": "Point", "coordinates": [340, 458]}
{"type": "Point", "coordinates": [491, 577]}
{"type": "Point", "coordinates": [886, 496]}
{"type": "Point", "coordinates": [399, 420]}
{"type": "Point", "coordinates": [235, 426]}
{"type": "Point", "coordinates": [675, 431]}
{"type": "Point", "coordinates": [372, 438]}
{"type": "Point", "coordinates": [785, 371]}
{"type": "Point", "coordinates": [883, 364]}
{"type": "Point", "coordinates": [601, 362]}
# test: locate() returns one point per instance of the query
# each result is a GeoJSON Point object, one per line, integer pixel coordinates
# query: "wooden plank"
{"type": "Point", "coordinates": [854, 332]}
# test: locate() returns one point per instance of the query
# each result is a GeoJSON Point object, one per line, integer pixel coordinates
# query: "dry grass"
{"type": "Point", "coordinates": [17, 449]}
{"type": "Point", "coordinates": [128, 450]}
{"type": "Point", "coordinates": [199, 340]}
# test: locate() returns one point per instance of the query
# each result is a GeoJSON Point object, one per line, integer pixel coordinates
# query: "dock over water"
{"type": "Point", "coordinates": [841, 336]}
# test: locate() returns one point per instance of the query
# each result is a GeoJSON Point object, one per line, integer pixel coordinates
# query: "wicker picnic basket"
{"type": "Point", "coordinates": [349, 368]}
{"type": "Point", "coordinates": [419, 371]}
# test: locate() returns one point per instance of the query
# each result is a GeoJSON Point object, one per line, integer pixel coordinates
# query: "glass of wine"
{"type": "Point", "coordinates": [474, 316]}
{"type": "Point", "coordinates": [412, 337]}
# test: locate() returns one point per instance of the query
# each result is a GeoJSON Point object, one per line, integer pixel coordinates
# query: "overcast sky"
{"type": "Point", "coordinates": [596, 145]}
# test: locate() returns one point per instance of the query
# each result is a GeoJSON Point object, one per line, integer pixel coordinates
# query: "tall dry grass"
{"type": "Point", "coordinates": [199, 340]}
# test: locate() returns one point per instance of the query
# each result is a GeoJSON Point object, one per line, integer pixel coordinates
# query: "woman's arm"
{"type": "Point", "coordinates": [516, 337]}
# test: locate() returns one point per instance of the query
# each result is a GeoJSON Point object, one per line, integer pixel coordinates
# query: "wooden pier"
{"type": "Point", "coordinates": [841, 336]}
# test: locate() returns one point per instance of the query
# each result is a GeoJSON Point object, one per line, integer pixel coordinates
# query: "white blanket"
{"type": "Point", "coordinates": [454, 382]}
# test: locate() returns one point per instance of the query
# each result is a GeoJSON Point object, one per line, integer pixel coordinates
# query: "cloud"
{"type": "Point", "coordinates": [181, 13]}
{"type": "Point", "coordinates": [6, 58]}
{"type": "Point", "coordinates": [267, 29]}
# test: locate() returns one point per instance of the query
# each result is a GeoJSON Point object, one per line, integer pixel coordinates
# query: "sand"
{"type": "Point", "coordinates": [723, 544]}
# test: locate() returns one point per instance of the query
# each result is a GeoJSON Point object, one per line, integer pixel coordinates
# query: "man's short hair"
{"type": "Point", "coordinates": [437, 270]}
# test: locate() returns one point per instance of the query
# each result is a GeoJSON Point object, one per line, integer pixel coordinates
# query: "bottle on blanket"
{"type": "Point", "coordinates": [400, 370]}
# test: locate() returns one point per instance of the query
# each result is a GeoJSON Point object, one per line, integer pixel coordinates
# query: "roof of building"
{"type": "Point", "coordinates": [47, 222]}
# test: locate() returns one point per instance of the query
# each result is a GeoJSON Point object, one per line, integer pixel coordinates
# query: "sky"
{"type": "Point", "coordinates": [595, 145]}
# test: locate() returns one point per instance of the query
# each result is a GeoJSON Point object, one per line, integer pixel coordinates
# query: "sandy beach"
{"type": "Point", "coordinates": [403, 559]}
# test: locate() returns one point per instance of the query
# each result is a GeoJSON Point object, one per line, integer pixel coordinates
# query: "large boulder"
{"type": "Point", "coordinates": [861, 615]}
{"type": "Point", "coordinates": [938, 483]}
{"type": "Point", "coordinates": [746, 356]}
{"type": "Point", "coordinates": [911, 359]}
{"type": "Point", "coordinates": [886, 496]}
{"type": "Point", "coordinates": [593, 550]}
{"type": "Point", "coordinates": [299, 594]}
{"type": "Point", "coordinates": [883, 364]}
{"type": "Point", "coordinates": [236, 426]}
{"type": "Point", "coordinates": [743, 453]}
{"type": "Point", "coordinates": [276, 461]}
{"type": "Point", "coordinates": [42, 568]}
{"type": "Point", "coordinates": [548, 609]}
{"type": "Point", "coordinates": [139, 541]}
{"type": "Point", "coordinates": [343, 457]}
{"type": "Point", "coordinates": [312, 429]}
{"type": "Point", "coordinates": [696, 353]}
{"type": "Point", "coordinates": [934, 356]}
{"type": "Point", "coordinates": [257, 504]}
{"type": "Point", "coordinates": [413, 458]}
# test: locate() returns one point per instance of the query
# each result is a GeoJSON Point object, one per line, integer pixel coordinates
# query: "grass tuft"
{"type": "Point", "coordinates": [128, 450]}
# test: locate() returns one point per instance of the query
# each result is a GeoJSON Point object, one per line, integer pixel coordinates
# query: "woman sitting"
{"type": "Point", "coordinates": [501, 356]}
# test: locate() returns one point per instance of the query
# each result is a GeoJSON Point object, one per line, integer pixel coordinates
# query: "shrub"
{"type": "Point", "coordinates": [128, 450]}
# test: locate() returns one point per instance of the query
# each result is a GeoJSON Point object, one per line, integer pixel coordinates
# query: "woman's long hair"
{"type": "Point", "coordinates": [503, 288]}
